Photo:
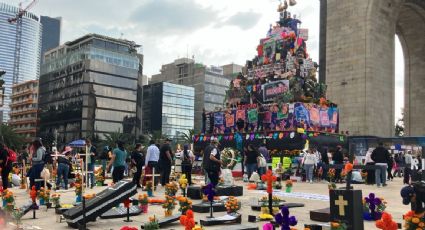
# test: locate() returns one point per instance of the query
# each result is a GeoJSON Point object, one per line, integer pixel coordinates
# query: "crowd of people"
{"type": "Point", "coordinates": [158, 159]}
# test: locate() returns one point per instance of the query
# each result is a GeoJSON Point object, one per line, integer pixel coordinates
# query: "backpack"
{"type": "Point", "coordinates": [263, 162]}
{"type": "Point", "coordinates": [11, 155]}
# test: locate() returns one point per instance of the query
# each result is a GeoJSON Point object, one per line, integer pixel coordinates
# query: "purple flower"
{"type": "Point", "coordinates": [209, 192]}
{"type": "Point", "coordinates": [283, 219]}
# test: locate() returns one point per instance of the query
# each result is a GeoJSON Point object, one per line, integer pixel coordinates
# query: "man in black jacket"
{"type": "Point", "coordinates": [338, 159]}
{"type": "Point", "coordinates": [211, 162]}
{"type": "Point", "coordinates": [381, 157]}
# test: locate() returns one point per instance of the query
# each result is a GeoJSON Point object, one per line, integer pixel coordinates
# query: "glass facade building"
{"type": "Point", "coordinates": [168, 108]}
{"type": "Point", "coordinates": [210, 84]}
{"type": "Point", "coordinates": [30, 50]}
{"type": "Point", "coordinates": [88, 88]}
{"type": "Point", "coordinates": [51, 34]}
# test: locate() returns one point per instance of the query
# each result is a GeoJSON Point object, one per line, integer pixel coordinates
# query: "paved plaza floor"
{"type": "Point", "coordinates": [47, 219]}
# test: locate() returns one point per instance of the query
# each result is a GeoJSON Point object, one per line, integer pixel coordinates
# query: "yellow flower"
{"type": "Point", "coordinates": [415, 220]}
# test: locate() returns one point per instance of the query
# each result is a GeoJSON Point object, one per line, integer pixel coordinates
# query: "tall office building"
{"type": "Point", "coordinates": [88, 88]}
{"type": "Point", "coordinates": [210, 84]}
{"type": "Point", "coordinates": [51, 34]}
{"type": "Point", "coordinates": [168, 108]}
{"type": "Point", "coordinates": [30, 50]}
{"type": "Point", "coordinates": [23, 113]}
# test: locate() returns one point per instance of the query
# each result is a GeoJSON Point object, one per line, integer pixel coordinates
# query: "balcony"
{"type": "Point", "coordinates": [23, 111]}
{"type": "Point", "coordinates": [22, 102]}
{"type": "Point", "coordinates": [22, 121]}
{"type": "Point", "coordinates": [23, 92]}
{"type": "Point", "coordinates": [25, 130]}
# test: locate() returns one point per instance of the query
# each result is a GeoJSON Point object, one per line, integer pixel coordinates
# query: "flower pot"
{"type": "Point", "coordinates": [168, 213]}
{"type": "Point", "coordinates": [78, 199]}
{"type": "Point", "coordinates": [288, 189]}
{"type": "Point", "coordinates": [42, 201]}
{"type": "Point", "coordinates": [150, 193]}
{"type": "Point", "coordinates": [144, 208]}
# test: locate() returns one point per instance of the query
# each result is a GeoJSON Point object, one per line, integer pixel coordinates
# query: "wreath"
{"type": "Point", "coordinates": [228, 156]}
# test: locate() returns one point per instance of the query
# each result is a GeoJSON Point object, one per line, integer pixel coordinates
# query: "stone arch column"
{"type": "Point", "coordinates": [410, 27]}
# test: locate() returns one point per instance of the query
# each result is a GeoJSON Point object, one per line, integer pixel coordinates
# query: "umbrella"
{"type": "Point", "coordinates": [77, 143]}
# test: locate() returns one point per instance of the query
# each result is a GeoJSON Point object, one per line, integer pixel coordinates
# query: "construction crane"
{"type": "Point", "coordinates": [18, 20]}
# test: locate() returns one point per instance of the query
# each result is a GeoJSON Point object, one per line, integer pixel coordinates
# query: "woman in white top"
{"type": "Point", "coordinates": [309, 162]}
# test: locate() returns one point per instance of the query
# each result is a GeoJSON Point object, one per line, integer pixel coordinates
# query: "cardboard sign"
{"type": "Point", "coordinates": [273, 89]}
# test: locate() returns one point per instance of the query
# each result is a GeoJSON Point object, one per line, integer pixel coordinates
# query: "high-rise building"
{"type": "Point", "coordinates": [51, 34]}
{"type": "Point", "coordinates": [232, 70]}
{"type": "Point", "coordinates": [168, 108]}
{"type": "Point", "coordinates": [23, 113]}
{"type": "Point", "coordinates": [88, 88]}
{"type": "Point", "coordinates": [30, 50]}
{"type": "Point", "coordinates": [210, 84]}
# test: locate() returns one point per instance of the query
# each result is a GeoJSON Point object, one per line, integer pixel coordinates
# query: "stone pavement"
{"type": "Point", "coordinates": [48, 219]}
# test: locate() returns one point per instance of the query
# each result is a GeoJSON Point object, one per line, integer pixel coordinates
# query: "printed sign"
{"type": "Point", "coordinates": [240, 114]}
{"type": "Point", "coordinates": [218, 118]}
{"type": "Point", "coordinates": [314, 116]}
{"type": "Point", "coordinates": [324, 118]}
{"type": "Point", "coordinates": [252, 116]}
{"type": "Point", "coordinates": [301, 113]}
{"type": "Point", "coordinates": [230, 120]}
{"type": "Point", "coordinates": [273, 89]}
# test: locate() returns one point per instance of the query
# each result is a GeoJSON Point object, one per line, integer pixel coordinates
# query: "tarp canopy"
{"type": "Point", "coordinates": [78, 143]}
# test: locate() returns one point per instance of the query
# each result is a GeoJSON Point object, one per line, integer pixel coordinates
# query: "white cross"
{"type": "Point", "coordinates": [341, 203]}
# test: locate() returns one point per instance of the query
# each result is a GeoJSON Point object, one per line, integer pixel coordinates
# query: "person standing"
{"type": "Point", "coordinates": [264, 152]}
{"type": "Point", "coordinates": [407, 168]}
{"type": "Point", "coordinates": [118, 161]}
{"type": "Point", "coordinates": [381, 157]}
{"type": "Point", "coordinates": [211, 162]}
{"type": "Point", "coordinates": [370, 179]}
{"type": "Point", "coordinates": [151, 162]}
{"type": "Point", "coordinates": [338, 159]}
{"type": "Point", "coordinates": [319, 165]}
{"type": "Point", "coordinates": [251, 160]}
{"type": "Point", "coordinates": [91, 158]}
{"type": "Point", "coordinates": [5, 165]}
{"type": "Point", "coordinates": [390, 167]}
{"type": "Point", "coordinates": [165, 161]}
{"type": "Point", "coordinates": [325, 162]}
{"type": "Point", "coordinates": [399, 160]}
{"type": "Point", "coordinates": [187, 158]}
{"type": "Point", "coordinates": [104, 157]}
{"type": "Point", "coordinates": [137, 159]}
{"type": "Point", "coordinates": [64, 164]}
{"type": "Point", "coordinates": [309, 162]}
{"type": "Point", "coordinates": [37, 162]}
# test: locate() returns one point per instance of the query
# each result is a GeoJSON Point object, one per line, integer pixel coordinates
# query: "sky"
{"type": "Point", "coordinates": [215, 32]}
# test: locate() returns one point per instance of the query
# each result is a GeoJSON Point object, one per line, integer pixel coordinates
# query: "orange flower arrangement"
{"type": "Point", "coordinates": [7, 196]}
{"type": "Point", "coordinates": [89, 196]}
{"type": "Point", "coordinates": [386, 222]}
{"type": "Point", "coordinates": [414, 221]}
{"type": "Point", "coordinates": [156, 201]}
{"type": "Point", "coordinates": [78, 189]}
{"type": "Point", "coordinates": [185, 204]}
{"type": "Point", "coordinates": [171, 189]}
{"type": "Point", "coordinates": [187, 220]}
{"type": "Point", "coordinates": [169, 203]}
{"type": "Point", "coordinates": [143, 199]}
{"type": "Point", "coordinates": [232, 205]}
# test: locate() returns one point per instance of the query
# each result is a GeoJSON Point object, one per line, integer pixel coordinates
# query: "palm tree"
{"type": "Point", "coordinates": [158, 136]}
{"type": "Point", "coordinates": [188, 136]}
{"type": "Point", "coordinates": [10, 138]}
{"type": "Point", "coordinates": [112, 138]}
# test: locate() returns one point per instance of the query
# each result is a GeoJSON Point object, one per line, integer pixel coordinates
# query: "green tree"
{"type": "Point", "coordinates": [187, 136]}
{"type": "Point", "coordinates": [399, 126]}
{"type": "Point", "coordinates": [10, 138]}
{"type": "Point", "coordinates": [158, 136]}
{"type": "Point", "coordinates": [112, 138]}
